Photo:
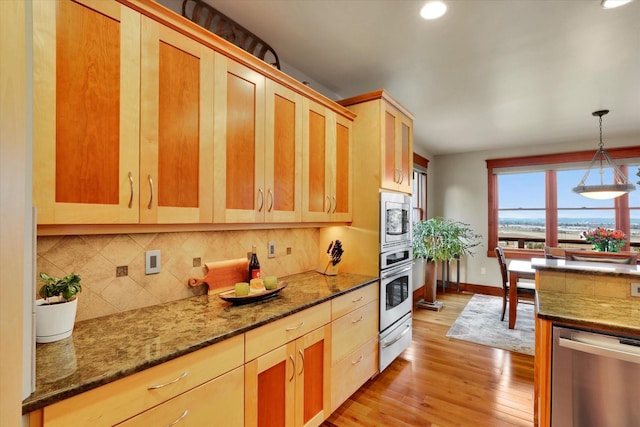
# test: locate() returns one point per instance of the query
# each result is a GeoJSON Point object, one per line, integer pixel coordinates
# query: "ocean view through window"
{"type": "Point", "coordinates": [533, 206]}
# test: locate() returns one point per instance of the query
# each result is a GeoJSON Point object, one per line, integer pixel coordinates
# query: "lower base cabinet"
{"type": "Point", "coordinates": [218, 402]}
{"type": "Point", "coordinates": [289, 386]}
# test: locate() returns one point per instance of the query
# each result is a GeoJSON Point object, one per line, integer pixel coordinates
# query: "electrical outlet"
{"type": "Point", "coordinates": [197, 262]}
{"type": "Point", "coordinates": [288, 251]}
{"type": "Point", "coordinates": [635, 289]}
{"type": "Point", "coordinates": [122, 270]}
{"type": "Point", "coordinates": [152, 262]}
{"type": "Point", "coordinates": [271, 249]}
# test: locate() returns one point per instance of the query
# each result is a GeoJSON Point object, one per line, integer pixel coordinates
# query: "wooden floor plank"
{"type": "Point", "coordinates": [440, 381]}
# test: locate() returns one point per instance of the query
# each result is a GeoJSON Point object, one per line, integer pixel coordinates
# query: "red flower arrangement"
{"type": "Point", "coordinates": [605, 240]}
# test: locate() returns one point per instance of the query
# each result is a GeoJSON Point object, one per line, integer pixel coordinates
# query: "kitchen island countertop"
{"type": "Point", "coordinates": [105, 349]}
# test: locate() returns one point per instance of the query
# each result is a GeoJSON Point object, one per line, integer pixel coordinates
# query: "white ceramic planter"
{"type": "Point", "coordinates": [54, 321]}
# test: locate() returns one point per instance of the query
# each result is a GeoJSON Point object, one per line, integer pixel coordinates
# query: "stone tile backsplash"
{"type": "Point", "coordinates": [95, 258]}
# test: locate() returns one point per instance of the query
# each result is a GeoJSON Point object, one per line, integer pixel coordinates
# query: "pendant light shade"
{"type": "Point", "coordinates": [602, 160]}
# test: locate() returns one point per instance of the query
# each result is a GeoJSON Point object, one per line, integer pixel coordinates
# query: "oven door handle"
{"type": "Point", "coordinates": [398, 338]}
{"type": "Point", "coordinates": [395, 272]}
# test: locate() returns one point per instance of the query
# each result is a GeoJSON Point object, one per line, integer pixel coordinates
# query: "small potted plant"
{"type": "Point", "coordinates": [56, 311]}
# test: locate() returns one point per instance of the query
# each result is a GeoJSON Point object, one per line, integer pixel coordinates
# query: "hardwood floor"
{"type": "Point", "coordinates": [440, 381]}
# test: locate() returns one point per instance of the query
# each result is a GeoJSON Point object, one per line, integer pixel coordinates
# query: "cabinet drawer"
{"type": "Point", "coordinates": [219, 402]}
{"type": "Point", "coordinates": [353, 329]}
{"type": "Point", "coordinates": [352, 372]}
{"type": "Point", "coordinates": [129, 396]}
{"type": "Point", "coordinates": [353, 300]}
{"type": "Point", "coordinates": [265, 338]}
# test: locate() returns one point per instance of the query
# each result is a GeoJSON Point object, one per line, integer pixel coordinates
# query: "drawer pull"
{"type": "Point", "coordinates": [293, 367]}
{"type": "Point", "coordinates": [154, 387]}
{"type": "Point", "coordinates": [359, 299]}
{"type": "Point", "coordinates": [359, 320]}
{"type": "Point", "coordinates": [295, 327]}
{"type": "Point", "coordinates": [180, 418]}
{"type": "Point", "coordinates": [357, 361]}
{"type": "Point", "coordinates": [396, 339]}
{"type": "Point", "coordinates": [301, 358]}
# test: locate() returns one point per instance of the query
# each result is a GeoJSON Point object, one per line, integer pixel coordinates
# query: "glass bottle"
{"type": "Point", "coordinates": [254, 265]}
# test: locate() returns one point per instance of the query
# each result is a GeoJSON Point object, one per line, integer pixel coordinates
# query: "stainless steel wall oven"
{"type": "Point", "coordinates": [396, 262]}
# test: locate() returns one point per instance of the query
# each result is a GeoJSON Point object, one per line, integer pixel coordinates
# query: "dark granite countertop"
{"type": "Point", "coordinates": [620, 315]}
{"type": "Point", "coordinates": [584, 267]}
{"type": "Point", "coordinates": [108, 348]}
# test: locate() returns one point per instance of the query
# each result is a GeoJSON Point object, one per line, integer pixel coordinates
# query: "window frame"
{"type": "Point", "coordinates": [621, 204]}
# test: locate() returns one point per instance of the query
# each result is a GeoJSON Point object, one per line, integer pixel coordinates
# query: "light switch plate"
{"type": "Point", "coordinates": [152, 262]}
{"type": "Point", "coordinates": [271, 249]}
{"type": "Point", "coordinates": [635, 289]}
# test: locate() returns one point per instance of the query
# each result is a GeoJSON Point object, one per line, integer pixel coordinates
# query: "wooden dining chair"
{"type": "Point", "coordinates": [595, 256]}
{"type": "Point", "coordinates": [524, 288]}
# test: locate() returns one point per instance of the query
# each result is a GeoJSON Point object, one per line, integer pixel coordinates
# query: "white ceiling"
{"type": "Point", "coordinates": [489, 74]}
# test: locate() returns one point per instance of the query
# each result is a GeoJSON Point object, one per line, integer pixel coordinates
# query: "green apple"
{"type": "Point", "coordinates": [270, 282]}
{"type": "Point", "coordinates": [242, 289]}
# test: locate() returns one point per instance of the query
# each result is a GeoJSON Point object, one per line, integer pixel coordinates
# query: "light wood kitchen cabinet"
{"type": "Point", "coordinates": [176, 127]}
{"type": "Point", "coordinates": [218, 402]}
{"type": "Point", "coordinates": [383, 119]}
{"type": "Point", "coordinates": [122, 399]}
{"type": "Point", "coordinates": [239, 143]}
{"type": "Point", "coordinates": [354, 342]}
{"type": "Point", "coordinates": [287, 370]}
{"type": "Point", "coordinates": [327, 168]}
{"type": "Point", "coordinates": [86, 70]}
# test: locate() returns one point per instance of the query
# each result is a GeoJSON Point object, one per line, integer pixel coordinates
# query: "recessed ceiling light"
{"type": "Point", "coordinates": [610, 4]}
{"type": "Point", "coordinates": [433, 10]}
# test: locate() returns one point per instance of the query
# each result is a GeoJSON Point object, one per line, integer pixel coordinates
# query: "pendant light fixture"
{"type": "Point", "coordinates": [603, 191]}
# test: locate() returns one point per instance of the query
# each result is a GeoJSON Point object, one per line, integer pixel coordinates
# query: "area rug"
{"type": "Point", "coordinates": [480, 323]}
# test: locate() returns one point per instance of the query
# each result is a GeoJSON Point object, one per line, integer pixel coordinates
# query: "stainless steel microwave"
{"type": "Point", "coordinates": [395, 221]}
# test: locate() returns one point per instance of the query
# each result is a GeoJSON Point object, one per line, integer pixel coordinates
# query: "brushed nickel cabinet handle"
{"type": "Point", "coordinates": [301, 358]}
{"type": "Point", "coordinates": [359, 299]}
{"type": "Point", "coordinates": [154, 387]}
{"type": "Point", "coordinates": [295, 327]}
{"type": "Point", "coordinates": [131, 186]}
{"type": "Point", "coordinates": [329, 203]}
{"type": "Point", "coordinates": [150, 189]}
{"type": "Point", "coordinates": [293, 367]}
{"type": "Point", "coordinates": [180, 418]}
{"type": "Point", "coordinates": [335, 204]}
{"type": "Point", "coordinates": [357, 361]}
{"type": "Point", "coordinates": [261, 198]}
{"type": "Point", "coordinates": [358, 320]}
{"type": "Point", "coordinates": [270, 198]}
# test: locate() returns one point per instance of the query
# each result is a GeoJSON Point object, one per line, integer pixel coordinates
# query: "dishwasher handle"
{"type": "Point", "coordinates": [612, 349]}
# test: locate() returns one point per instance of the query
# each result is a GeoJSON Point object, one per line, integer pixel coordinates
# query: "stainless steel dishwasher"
{"type": "Point", "coordinates": [595, 379]}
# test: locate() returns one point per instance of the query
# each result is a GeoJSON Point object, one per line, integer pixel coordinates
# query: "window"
{"type": "Point", "coordinates": [531, 202]}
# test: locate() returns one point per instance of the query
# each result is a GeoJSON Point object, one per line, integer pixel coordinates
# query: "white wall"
{"type": "Point", "coordinates": [459, 192]}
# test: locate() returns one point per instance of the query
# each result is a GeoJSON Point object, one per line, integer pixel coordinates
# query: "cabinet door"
{"type": "Point", "coordinates": [319, 137]}
{"type": "Point", "coordinates": [404, 153]}
{"type": "Point", "coordinates": [270, 388]}
{"type": "Point", "coordinates": [86, 70]}
{"type": "Point", "coordinates": [176, 125]}
{"type": "Point", "coordinates": [239, 143]}
{"type": "Point", "coordinates": [218, 402]}
{"type": "Point", "coordinates": [283, 154]}
{"type": "Point", "coordinates": [341, 209]}
{"type": "Point", "coordinates": [397, 150]}
{"type": "Point", "coordinates": [313, 377]}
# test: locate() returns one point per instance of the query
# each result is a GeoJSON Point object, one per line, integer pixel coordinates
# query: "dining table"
{"type": "Point", "coordinates": [518, 269]}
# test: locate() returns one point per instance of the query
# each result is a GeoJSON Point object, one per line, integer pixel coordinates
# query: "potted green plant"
{"type": "Point", "coordinates": [439, 239]}
{"type": "Point", "coordinates": [56, 311]}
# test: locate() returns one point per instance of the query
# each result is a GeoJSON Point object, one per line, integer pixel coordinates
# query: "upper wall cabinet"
{"type": "Point", "coordinates": [382, 119]}
{"type": "Point", "coordinates": [327, 161]}
{"type": "Point", "coordinates": [176, 127]}
{"type": "Point", "coordinates": [122, 134]}
{"type": "Point", "coordinates": [86, 62]}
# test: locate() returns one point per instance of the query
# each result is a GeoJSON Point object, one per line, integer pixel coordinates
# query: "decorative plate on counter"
{"type": "Point", "coordinates": [230, 296]}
